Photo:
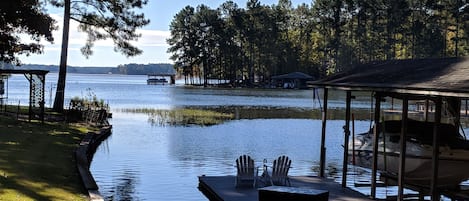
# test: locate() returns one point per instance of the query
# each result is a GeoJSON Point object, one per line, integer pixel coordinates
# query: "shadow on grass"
{"type": "Point", "coordinates": [37, 163]}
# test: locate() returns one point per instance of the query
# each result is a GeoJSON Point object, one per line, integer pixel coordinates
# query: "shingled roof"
{"type": "Point", "coordinates": [442, 77]}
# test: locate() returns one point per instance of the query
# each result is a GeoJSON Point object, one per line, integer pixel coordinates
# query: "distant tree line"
{"type": "Point", "coordinates": [126, 69]}
{"type": "Point", "coordinates": [144, 69]}
{"type": "Point", "coordinates": [251, 44]}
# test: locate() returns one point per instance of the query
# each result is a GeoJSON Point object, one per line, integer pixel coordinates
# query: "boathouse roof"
{"type": "Point", "coordinates": [440, 77]}
{"type": "Point", "coordinates": [294, 75]}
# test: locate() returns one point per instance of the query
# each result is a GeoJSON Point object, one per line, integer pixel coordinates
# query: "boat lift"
{"type": "Point", "coordinates": [153, 78]}
{"type": "Point", "coordinates": [421, 79]}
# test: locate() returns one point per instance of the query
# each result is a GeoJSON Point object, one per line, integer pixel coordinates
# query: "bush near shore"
{"type": "Point", "coordinates": [37, 161]}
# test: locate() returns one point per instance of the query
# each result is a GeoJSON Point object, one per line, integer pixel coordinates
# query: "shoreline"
{"type": "Point", "coordinates": [84, 155]}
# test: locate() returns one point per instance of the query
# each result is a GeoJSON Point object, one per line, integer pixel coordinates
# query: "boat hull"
{"type": "Point", "coordinates": [418, 169]}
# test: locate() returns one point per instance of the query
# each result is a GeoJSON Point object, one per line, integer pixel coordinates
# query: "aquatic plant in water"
{"type": "Point", "coordinates": [211, 115]}
{"type": "Point", "coordinates": [183, 116]}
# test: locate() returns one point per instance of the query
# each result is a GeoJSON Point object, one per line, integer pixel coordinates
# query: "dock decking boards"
{"type": "Point", "coordinates": [222, 188]}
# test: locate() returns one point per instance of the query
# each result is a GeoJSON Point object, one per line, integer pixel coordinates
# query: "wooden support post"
{"type": "Point", "coordinates": [403, 145]}
{"type": "Point", "coordinates": [172, 79]}
{"type": "Point", "coordinates": [322, 162]}
{"type": "Point", "coordinates": [346, 138]}
{"type": "Point", "coordinates": [31, 97]}
{"type": "Point", "coordinates": [43, 100]}
{"type": "Point", "coordinates": [456, 105]}
{"type": "Point", "coordinates": [353, 139]}
{"type": "Point", "coordinates": [436, 149]}
{"type": "Point", "coordinates": [466, 107]}
{"type": "Point", "coordinates": [374, 165]}
{"type": "Point", "coordinates": [392, 103]}
{"type": "Point", "coordinates": [427, 105]}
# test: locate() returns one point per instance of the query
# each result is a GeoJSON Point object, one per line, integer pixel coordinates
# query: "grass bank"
{"type": "Point", "coordinates": [37, 162]}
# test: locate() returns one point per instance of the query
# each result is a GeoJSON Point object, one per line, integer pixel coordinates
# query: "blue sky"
{"type": "Point", "coordinates": [153, 41]}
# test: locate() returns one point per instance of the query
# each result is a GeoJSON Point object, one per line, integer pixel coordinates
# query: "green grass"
{"type": "Point", "coordinates": [37, 162]}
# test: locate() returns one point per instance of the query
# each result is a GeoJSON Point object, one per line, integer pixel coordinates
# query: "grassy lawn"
{"type": "Point", "coordinates": [37, 161]}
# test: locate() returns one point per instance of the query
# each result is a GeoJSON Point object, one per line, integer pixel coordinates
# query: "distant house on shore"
{"type": "Point", "coordinates": [295, 80]}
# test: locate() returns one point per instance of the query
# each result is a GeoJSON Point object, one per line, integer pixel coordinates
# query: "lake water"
{"type": "Point", "coordinates": [142, 161]}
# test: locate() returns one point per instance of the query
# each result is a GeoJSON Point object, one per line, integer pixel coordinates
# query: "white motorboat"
{"type": "Point", "coordinates": [454, 152]}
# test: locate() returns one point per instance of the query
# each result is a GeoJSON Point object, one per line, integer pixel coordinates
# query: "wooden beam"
{"type": "Point", "coordinates": [374, 165]}
{"type": "Point", "coordinates": [346, 138]}
{"type": "Point", "coordinates": [403, 145]}
{"type": "Point", "coordinates": [436, 149]}
{"type": "Point", "coordinates": [322, 162]}
{"type": "Point", "coordinates": [384, 89]}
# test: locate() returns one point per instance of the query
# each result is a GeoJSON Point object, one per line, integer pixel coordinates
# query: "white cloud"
{"type": "Point", "coordinates": [149, 38]}
{"type": "Point", "coordinates": [152, 42]}
{"type": "Point", "coordinates": [154, 38]}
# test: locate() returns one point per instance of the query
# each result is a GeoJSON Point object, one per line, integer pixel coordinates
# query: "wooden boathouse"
{"type": "Point", "coordinates": [440, 81]}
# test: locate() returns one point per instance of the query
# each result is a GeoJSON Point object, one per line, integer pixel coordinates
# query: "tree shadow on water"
{"type": "Point", "coordinates": [125, 187]}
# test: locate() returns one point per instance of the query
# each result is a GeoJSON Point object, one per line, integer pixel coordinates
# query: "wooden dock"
{"type": "Point", "coordinates": [222, 188]}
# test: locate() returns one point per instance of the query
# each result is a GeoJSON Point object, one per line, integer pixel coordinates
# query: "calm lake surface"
{"type": "Point", "coordinates": [142, 161]}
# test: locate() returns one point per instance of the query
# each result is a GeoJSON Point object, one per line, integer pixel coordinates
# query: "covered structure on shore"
{"type": "Point", "coordinates": [295, 80]}
{"type": "Point", "coordinates": [37, 79]}
{"type": "Point", "coordinates": [153, 78]}
{"type": "Point", "coordinates": [442, 80]}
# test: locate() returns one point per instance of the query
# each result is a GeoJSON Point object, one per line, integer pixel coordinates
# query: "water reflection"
{"type": "Point", "coordinates": [165, 161]}
{"type": "Point", "coordinates": [125, 186]}
{"type": "Point", "coordinates": [262, 138]}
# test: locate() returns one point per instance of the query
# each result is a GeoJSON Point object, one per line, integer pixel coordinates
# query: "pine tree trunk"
{"type": "Point", "coordinates": [60, 92]}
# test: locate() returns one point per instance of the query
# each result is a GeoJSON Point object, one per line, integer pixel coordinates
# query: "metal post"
{"type": "Point", "coordinates": [436, 150]}
{"type": "Point", "coordinates": [322, 161]}
{"type": "Point", "coordinates": [374, 166]}
{"type": "Point", "coordinates": [346, 138]}
{"type": "Point", "coordinates": [403, 145]}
